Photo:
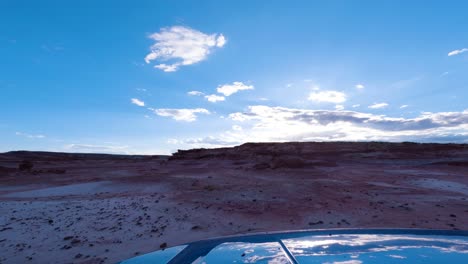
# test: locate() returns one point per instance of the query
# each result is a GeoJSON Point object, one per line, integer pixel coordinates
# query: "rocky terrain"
{"type": "Point", "coordinates": [92, 208]}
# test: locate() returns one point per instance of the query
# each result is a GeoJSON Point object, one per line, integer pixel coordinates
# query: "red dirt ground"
{"type": "Point", "coordinates": [91, 208]}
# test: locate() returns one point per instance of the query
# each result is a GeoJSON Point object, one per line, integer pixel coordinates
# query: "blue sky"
{"type": "Point", "coordinates": [156, 76]}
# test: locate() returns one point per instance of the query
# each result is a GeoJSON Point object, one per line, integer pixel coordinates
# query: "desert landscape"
{"type": "Point", "coordinates": [97, 208]}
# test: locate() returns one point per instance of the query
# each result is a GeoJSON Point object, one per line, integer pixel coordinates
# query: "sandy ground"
{"type": "Point", "coordinates": [102, 209]}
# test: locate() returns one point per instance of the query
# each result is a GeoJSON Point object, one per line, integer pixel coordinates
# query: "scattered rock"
{"type": "Point", "coordinates": [316, 223]}
{"type": "Point", "coordinates": [66, 247]}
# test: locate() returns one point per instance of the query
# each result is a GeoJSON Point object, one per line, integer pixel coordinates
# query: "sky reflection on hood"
{"type": "Point", "coordinates": [336, 248]}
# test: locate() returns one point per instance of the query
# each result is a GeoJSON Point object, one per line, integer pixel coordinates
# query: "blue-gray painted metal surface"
{"type": "Point", "coordinates": [345, 246]}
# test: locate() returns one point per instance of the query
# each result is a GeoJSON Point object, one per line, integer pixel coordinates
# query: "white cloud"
{"type": "Point", "coordinates": [195, 93]}
{"type": "Point", "coordinates": [263, 99]}
{"type": "Point", "coordinates": [339, 107]}
{"type": "Point", "coordinates": [179, 46]}
{"type": "Point", "coordinates": [187, 115]}
{"type": "Point", "coordinates": [378, 105]}
{"type": "Point", "coordinates": [166, 67]}
{"type": "Point", "coordinates": [214, 98]}
{"type": "Point", "coordinates": [356, 105]}
{"type": "Point", "coordinates": [456, 52]}
{"type": "Point", "coordinates": [21, 134]}
{"type": "Point", "coordinates": [403, 106]}
{"type": "Point", "coordinates": [328, 96]}
{"type": "Point", "coordinates": [137, 102]}
{"type": "Point", "coordinates": [220, 41]}
{"type": "Point", "coordinates": [229, 89]}
{"type": "Point", "coordinates": [279, 124]}
{"type": "Point", "coordinates": [360, 86]}
{"type": "Point", "coordinates": [427, 120]}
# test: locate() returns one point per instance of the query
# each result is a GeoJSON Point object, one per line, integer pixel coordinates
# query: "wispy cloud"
{"type": "Point", "coordinates": [167, 67]}
{"type": "Point", "coordinates": [137, 102]}
{"type": "Point", "coordinates": [187, 115]}
{"type": "Point", "coordinates": [210, 141]}
{"type": "Point", "coordinates": [359, 86]}
{"type": "Point", "coordinates": [356, 105]}
{"type": "Point", "coordinates": [214, 98]}
{"type": "Point", "coordinates": [328, 96]}
{"type": "Point", "coordinates": [21, 134]}
{"type": "Point", "coordinates": [406, 83]}
{"type": "Point", "coordinates": [456, 52]}
{"type": "Point", "coordinates": [378, 105]}
{"type": "Point", "coordinates": [229, 89]}
{"type": "Point", "coordinates": [403, 106]}
{"type": "Point", "coordinates": [90, 148]}
{"type": "Point", "coordinates": [339, 107]}
{"type": "Point", "coordinates": [195, 93]}
{"type": "Point", "coordinates": [180, 46]}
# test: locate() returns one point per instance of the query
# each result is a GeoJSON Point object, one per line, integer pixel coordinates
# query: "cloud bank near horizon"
{"type": "Point", "coordinates": [262, 123]}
